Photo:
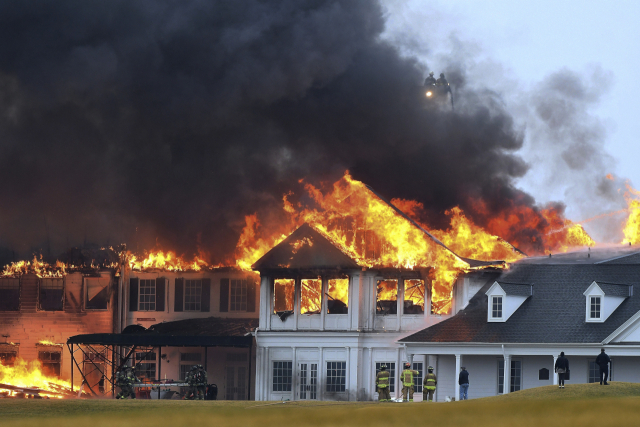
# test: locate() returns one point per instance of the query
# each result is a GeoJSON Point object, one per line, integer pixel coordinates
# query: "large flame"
{"type": "Point", "coordinates": [167, 261]}
{"type": "Point", "coordinates": [37, 266]}
{"type": "Point", "coordinates": [31, 375]}
{"type": "Point", "coordinates": [631, 229]}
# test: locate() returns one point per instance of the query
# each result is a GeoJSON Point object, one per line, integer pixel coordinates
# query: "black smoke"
{"type": "Point", "coordinates": [166, 122]}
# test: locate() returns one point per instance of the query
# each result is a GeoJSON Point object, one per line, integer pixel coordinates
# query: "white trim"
{"type": "Point", "coordinates": [622, 328]}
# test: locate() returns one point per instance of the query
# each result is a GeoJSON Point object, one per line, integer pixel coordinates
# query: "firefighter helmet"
{"type": "Point", "coordinates": [430, 368]}
{"type": "Point", "coordinates": [383, 367]}
{"type": "Point", "coordinates": [407, 365]}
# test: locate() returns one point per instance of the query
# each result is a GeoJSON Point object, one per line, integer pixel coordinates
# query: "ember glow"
{"type": "Point", "coordinates": [31, 375]}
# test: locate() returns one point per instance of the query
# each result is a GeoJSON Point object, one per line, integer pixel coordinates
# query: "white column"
{"type": "Point", "coordinates": [507, 374]}
{"type": "Point", "coordinates": [458, 365]}
{"type": "Point", "coordinates": [400, 302]}
{"type": "Point", "coordinates": [553, 370]}
{"type": "Point", "coordinates": [269, 300]}
{"type": "Point", "coordinates": [321, 374]}
{"type": "Point", "coordinates": [294, 374]}
{"type": "Point", "coordinates": [267, 374]}
{"type": "Point", "coordinates": [324, 301]}
{"type": "Point", "coordinates": [347, 373]}
{"type": "Point", "coordinates": [296, 304]}
{"type": "Point", "coordinates": [399, 369]}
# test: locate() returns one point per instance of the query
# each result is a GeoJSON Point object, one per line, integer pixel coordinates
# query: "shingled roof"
{"type": "Point", "coordinates": [305, 248]}
{"type": "Point", "coordinates": [555, 313]}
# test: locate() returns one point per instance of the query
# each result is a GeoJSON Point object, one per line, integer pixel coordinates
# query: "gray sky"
{"type": "Point", "coordinates": [512, 46]}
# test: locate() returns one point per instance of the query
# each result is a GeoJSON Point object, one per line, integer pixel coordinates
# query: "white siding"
{"type": "Point", "coordinates": [447, 377]}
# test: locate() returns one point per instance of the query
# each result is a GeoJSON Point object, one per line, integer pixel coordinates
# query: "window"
{"type": "Point", "coordinates": [51, 294]}
{"type": "Point", "coordinates": [9, 294]}
{"type": "Point", "coordinates": [387, 297]}
{"type": "Point", "coordinates": [146, 365]}
{"type": "Point", "coordinates": [8, 354]}
{"type": "Point", "coordinates": [417, 379]}
{"type": "Point", "coordinates": [238, 295]}
{"type": "Point", "coordinates": [282, 376]}
{"type": "Point", "coordinates": [594, 308]}
{"type": "Point", "coordinates": [187, 360]}
{"type": "Point", "coordinates": [338, 296]}
{"type": "Point", "coordinates": [391, 368]}
{"type": "Point", "coordinates": [310, 296]}
{"type": "Point", "coordinates": [414, 296]}
{"type": "Point", "coordinates": [336, 377]}
{"type": "Point", "coordinates": [192, 295]}
{"type": "Point", "coordinates": [96, 293]}
{"type": "Point", "coordinates": [50, 359]}
{"type": "Point", "coordinates": [283, 295]}
{"type": "Point", "coordinates": [543, 374]}
{"type": "Point", "coordinates": [496, 307]}
{"type": "Point", "coordinates": [147, 298]}
{"type": "Point", "coordinates": [515, 374]}
{"type": "Point", "coordinates": [93, 368]}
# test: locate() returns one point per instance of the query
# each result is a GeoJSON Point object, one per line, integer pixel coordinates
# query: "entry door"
{"type": "Point", "coordinates": [236, 386]}
{"type": "Point", "coordinates": [307, 381]}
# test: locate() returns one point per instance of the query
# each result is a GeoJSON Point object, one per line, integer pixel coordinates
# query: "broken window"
{"type": "Point", "coordinates": [146, 365]}
{"type": "Point", "coordinates": [8, 354]}
{"type": "Point", "coordinates": [93, 368]}
{"type": "Point", "coordinates": [387, 297]}
{"type": "Point", "coordinates": [192, 295]}
{"type": "Point", "coordinates": [97, 293]}
{"type": "Point", "coordinates": [414, 297]}
{"type": "Point", "coordinates": [338, 296]}
{"type": "Point", "coordinates": [9, 294]}
{"type": "Point", "coordinates": [51, 294]}
{"type": "Point", "coordinates": [51, 360]}
{"type": "Point", "coordinates": [310, 296]}
{"type": "Point", "coordinates": [284, 290]}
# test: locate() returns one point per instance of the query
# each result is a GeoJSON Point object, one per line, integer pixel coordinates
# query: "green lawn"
{"type": "Point", "coordinates": [577, 405]}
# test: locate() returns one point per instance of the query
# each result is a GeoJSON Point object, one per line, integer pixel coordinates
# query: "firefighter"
{"type": "Point", "coordinates": [430, 81]}
{"type": "Point", "coordinates": [125, 380]}
{"type": "Point", "coordinates": [429, 385]}
{"type": "Point", "coordinates": [407, 382]}
{"type": "Point", "coordinates": [197, 380]}
{"type": "Point", "coordinates": [382, 383]}
{"type": "Point", "coordinates": [442, 81]}
{"type": "Point", "coordinates": [201, 382]}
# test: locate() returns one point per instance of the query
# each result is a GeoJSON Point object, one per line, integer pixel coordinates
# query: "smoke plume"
{"type": "Point", "coordinates": [165, 123]}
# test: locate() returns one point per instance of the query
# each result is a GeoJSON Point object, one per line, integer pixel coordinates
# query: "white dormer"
{"type": "Point", "coordinates": [602, 299]}
{"type": "Point", "coordinates": [505, 298]}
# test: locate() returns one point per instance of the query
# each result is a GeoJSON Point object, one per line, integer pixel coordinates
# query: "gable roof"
{"type": "Point", "coordinates": [615, 290]}
{"type": "Point", "coordinates": [305, 248]}
{"type": "Point", "coordinates": [517, 289]}
{"type": "Point", "coordinates": [555, 313]}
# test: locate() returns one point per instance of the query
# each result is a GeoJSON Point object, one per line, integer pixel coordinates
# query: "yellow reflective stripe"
{"type": "Point", "coordinates": [430, 387]}
{"type": "Point", "coordinates": [382, 385]}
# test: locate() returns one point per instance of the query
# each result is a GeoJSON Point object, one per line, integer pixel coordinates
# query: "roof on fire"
{"type": "Point", "coordinates": [305, 248]}
{"type": "Point", "coordinates": [553, 314]}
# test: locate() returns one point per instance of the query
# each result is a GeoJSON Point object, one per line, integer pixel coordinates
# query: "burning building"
{"type": "Point", "coordinates": [41, 306]}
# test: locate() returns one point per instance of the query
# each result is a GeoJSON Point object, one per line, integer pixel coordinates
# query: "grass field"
{"type": "Point", "coordinates": [577, 405]}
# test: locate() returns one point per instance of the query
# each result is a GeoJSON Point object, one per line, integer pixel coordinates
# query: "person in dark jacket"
{"type": "Point", "coordinates": [463, 380]}
{"type": "Point", "coordinates": [603, 361]}
{"type": "Point", "coordinates": [562, 366]}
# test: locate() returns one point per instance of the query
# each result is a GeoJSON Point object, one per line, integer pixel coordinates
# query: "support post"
{"type": "Point", "coordinates": [206, 357]}
{"type": "Point", "coordinates": [457, 374]}
{"type": "Point", "coordinates": [296, 302]}
{"type": "Point", "coordinates": [507, 374]}
{"type": "Point", "coordinates": [294, 374]}
{"type": "Point", "coordinates": [71, 361]}
{"type": "Point", "coordinates": [324, 302]}
{"type": "Point", "coordinates": [400, 303]}
{"type": "Point", "coordinates": [159, 369]}
{"type": "Point", "coordinates": [249, 374]}
{"type": "Point", "coordinates": [553, 369]}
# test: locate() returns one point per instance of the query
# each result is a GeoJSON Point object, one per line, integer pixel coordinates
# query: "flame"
{"type": "Point", "coordinates": [631, 229]}
{"type": "Point", "coordinates": [310, 296]}
{"type": "Point", "coordinates": [284, 290]}
{"type": "Point", "coordinates": [339, 290]}
{"type": "Point", "coordinates": [168, 261]}
{"type": "Point", "coordinates": [47, 342]}
{"type": "Point", "coordinates": [37, 266]}
{"type": "Point", "coordinates": [31, 375]}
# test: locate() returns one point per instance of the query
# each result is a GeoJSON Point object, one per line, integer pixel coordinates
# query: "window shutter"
{"type": "Point", "coordinates": [133, 294]}
{"type": "Point", "coordinates": [160, 292]}
{"type": "Point", "coordinates": [179, 295]}
{"type": "Point", "coordinates": [205, 303]}
{"type": "Point", "coordinates": [251, 294]}
{"type": "Point", "coordinates": [224, 295]}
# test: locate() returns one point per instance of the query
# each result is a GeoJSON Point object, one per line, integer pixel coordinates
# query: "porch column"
{"type": "Point", "coordinates": [507, 374]}
{"type": "Point", "coordinates": [400, 302]}
{"type": "Point", "coordinates": [294, 374]}
{"type": "Point", "coordinates": [399, 368]}
{"type": "Point", "coordinates": [324, 302]}
{"type": "Point", "coordinates": [456, 375]}
{"type": "Point", "coordinates": [553, 369]}
{"type": "Point", "coordinates": [296, 303]}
